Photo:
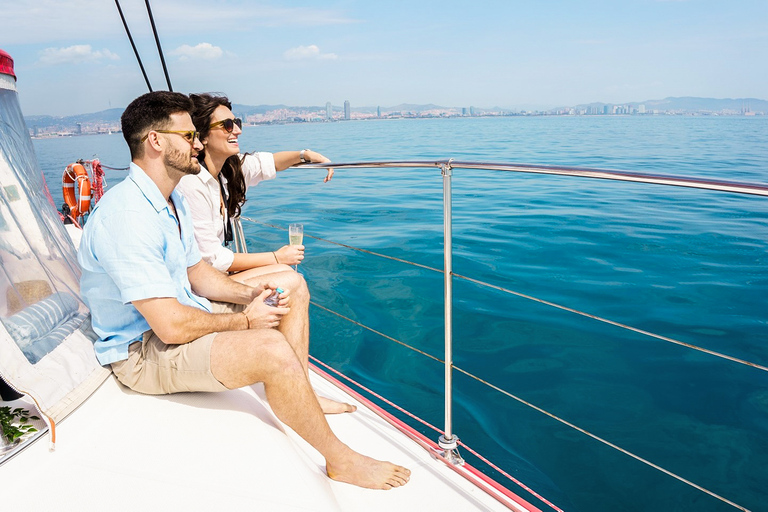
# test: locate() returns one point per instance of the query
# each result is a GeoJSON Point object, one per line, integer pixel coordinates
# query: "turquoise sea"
{"type": "Point", "coordinates": [691, 265]}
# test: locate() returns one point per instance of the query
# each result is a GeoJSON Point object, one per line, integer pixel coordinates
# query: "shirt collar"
{"type": "Point", "coordinates": [206, 176]}
{"type": "Point", "coordinates": [149, 188]}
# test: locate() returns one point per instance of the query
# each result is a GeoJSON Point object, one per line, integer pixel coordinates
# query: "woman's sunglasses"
{"type": "Point", "coordinates": [228, 124]}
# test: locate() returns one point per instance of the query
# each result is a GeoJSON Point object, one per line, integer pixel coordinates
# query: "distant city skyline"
{"type": "Point", "coordinates": [108, 121]}
{"type": "Point", "coordinates": [75, 57]}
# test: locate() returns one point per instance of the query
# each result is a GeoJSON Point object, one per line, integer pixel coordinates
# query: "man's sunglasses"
{"type": "Point", "coordinates": [189, 135]}
{"type": "Point", "coordinates": [228, 124]}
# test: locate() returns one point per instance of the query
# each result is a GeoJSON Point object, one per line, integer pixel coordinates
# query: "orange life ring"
{"type": "Point", "coordinates": [76, 188]}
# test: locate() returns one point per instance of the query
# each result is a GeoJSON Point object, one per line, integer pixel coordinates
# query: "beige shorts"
{"type": "Point", "coordinates": [156, 368]}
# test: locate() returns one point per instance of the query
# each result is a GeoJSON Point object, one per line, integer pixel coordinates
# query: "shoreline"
{"type": "Point", "coordinates": [117, 130]}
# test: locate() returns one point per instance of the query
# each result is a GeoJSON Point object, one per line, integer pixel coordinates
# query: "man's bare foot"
{"type": "Point", "coordinates": [333, 407]}
{"type": "Point", "coordinates": [357, 469]}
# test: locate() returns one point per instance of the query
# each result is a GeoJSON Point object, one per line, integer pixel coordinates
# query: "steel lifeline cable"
{"type": "Point", "coordinates": [507, 393]}
{"type": "Point", "coordinates": [535, 299]}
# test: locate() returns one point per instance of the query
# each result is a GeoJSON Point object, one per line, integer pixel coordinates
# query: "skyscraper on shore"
{"type": "Point", "coordinates": [347, 110]}
{"type": "Point", "coordinates": [328, 110]}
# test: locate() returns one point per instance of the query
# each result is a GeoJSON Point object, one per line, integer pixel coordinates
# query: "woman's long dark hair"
{"type": "Point", "coordinates": [204, 105]}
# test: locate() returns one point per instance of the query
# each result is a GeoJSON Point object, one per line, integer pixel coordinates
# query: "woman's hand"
{"type": "Point", "coordinates": [261, 316]}
{"type": "Point", "coordinates": [316, 158]}
{"type": "Point", "coordinates": [290, 254]}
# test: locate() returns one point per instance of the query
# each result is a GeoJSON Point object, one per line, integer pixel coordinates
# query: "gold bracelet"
{"type": "Point", "coordinates": [247, 319]}
{"type": "Point", "coordinates": [275, 255]}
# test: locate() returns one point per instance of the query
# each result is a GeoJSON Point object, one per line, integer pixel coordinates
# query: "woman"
{"type": "Point", "coordinates": [217, 194]}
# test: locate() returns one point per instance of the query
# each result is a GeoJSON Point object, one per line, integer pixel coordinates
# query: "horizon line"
{"type": "Point", "coordinates": [527, 107]}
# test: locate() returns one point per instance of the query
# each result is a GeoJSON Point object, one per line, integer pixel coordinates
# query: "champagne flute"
{"type": "Point", "coordinates": [295, 236]}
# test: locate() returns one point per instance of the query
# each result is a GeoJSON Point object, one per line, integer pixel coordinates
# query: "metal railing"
{"type": "Point", "coordinates": [449, 441]}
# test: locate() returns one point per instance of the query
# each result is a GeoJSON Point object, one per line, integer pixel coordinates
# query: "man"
{"type": "Point", "coordinates": [149, 290]}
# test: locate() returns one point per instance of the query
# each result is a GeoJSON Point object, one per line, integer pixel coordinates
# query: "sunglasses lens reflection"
{"type": "Point", "coordinates": [229, 124]}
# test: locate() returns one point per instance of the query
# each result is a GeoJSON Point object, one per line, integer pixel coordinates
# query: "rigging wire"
{"type": "Point", "coordinates": [427, 424]}
{"type": "Point", "coordinates": [520, 400]}
{"type": "Point", "coordinates": [617, 324]}
{"type": "Point", "coordinates": [600, 439]}
{"type": "Point", "coordinates": [159, 48]}
{"type": "Point", "coordinates": [526, 403]}
{"type": "Point", "coordinates": [133, 45]}
{"type": "Point", "coordinates": [535, 299]}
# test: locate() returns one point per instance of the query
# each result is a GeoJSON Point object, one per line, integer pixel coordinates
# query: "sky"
{"type": "Point", "coordinates": [73, 56]}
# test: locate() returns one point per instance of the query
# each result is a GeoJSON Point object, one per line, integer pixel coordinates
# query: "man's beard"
{"type": "Point", "coordinates": [181, 162]}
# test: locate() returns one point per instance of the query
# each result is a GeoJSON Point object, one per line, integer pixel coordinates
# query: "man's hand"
{"type": "Point", "coordinates": [261, 316]}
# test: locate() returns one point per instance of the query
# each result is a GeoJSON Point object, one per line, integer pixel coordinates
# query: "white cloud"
{"type": "Point", "coordinates": [311, 52]}
{"type": "Point", "coordinates": [76, 54]}
{"type": "Point", "coordinates": [202, 51]}
{"type": "Point", "coordinates": [51, 21]}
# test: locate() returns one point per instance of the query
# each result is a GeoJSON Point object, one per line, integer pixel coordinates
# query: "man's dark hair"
{"type": "Point", "coordinates": [151, 111]}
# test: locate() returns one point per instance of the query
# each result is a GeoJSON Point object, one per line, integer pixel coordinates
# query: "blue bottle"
{"type": "Point", "coordinates": [274, 298]}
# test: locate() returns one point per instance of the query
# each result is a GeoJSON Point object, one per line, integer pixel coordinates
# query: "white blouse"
{"type": "Point", "coordinates": [203, 194]}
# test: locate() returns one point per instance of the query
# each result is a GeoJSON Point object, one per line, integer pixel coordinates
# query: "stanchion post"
{"type": "Point", "coordinates": [239, 236]}
{"type": "Point", "coordinates": [448, 442]}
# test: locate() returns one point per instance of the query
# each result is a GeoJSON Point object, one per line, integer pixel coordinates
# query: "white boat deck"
{"type": "Point", "coordinates": [225, 451]}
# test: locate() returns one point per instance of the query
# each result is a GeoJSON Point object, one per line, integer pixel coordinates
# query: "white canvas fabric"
{"type": "Point", "coordinates": [46, 347]}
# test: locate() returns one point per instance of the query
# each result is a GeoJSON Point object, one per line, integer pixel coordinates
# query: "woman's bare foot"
{"type": "Point", "coordinates": [333, 407]}
{"type": "Point", "coordinates": [357, 469]}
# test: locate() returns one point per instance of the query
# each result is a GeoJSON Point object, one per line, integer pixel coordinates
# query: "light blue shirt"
{"type": "Point", "coordinates": [131, 250]}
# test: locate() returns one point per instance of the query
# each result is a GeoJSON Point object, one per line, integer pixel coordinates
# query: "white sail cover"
{"type": "Point", "coordinates": [46, 347]}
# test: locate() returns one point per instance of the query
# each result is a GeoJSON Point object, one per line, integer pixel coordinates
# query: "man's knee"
{"type": "Point", "coordinates": [293, 282]}
{"type": "Point", "coordinates": [275, 351]}
{"type": "Point", "coordinates": [244, 357]}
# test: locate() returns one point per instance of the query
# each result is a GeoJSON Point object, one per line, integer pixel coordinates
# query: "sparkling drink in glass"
{"type": "Point", "coordinates": [295, 236]}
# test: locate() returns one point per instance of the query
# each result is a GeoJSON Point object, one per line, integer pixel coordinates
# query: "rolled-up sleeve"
{"type": "Point", "coordinates": [218, 256]}
{"type": "Point", "coordinates": [258, 167]}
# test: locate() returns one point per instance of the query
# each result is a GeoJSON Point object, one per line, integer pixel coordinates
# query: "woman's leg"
{"type": "Point", "coordinates": [295, 325]}
{"type": "Point", "coordinates": [245, 275]}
